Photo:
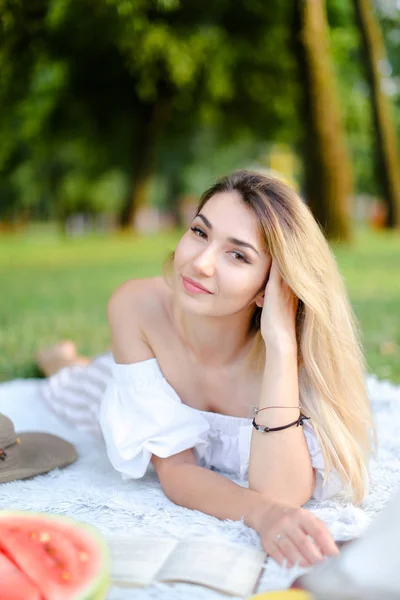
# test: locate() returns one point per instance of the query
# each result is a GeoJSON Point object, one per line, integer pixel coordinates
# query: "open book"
{"type": "Point", "coordinates": [230, 568]}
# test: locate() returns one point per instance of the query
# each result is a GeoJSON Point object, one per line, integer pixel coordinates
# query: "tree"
{"type": "Point", "coordinates": [386, 154]}
{"type": "Point", "coordinates": [327, 167]}
{"type": "Point", "coordinates": [133, 78]}
{"type": "Point", "coordinates": [130, 87]}
{"type": "Point", "coordinates": [202, 65]}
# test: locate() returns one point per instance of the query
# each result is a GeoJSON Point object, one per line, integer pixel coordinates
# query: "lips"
{"type": "Point", "coordinates": [196, 284]}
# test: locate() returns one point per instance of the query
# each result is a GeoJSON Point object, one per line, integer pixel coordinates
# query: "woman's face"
{"type": "Point", "coordinates": [223, 252]}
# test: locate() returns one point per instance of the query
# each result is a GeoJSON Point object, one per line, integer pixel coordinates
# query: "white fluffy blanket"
{"type": "Point", "coordinates": [91, 491]}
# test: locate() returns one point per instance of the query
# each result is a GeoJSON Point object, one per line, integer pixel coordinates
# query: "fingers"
{"type": "Point", "coordinates": [291, 552]}
{"type": "Point", "coordinates": [306, 543]}
{"type": "Point", "coordinates": [294, 548]}
{"type": "Point", "coordinates": [311, 554]}
{"type": "Point", "coordinates": [274, 275]}
{"type": "Point", "coordinates": [274, 552]}
{"type": "Point", "coordinates": [318, 531]}
{"type": "Point", "coordinates": [277, 283]}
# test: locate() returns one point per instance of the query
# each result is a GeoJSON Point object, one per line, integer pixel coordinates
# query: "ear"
{"type": "Point", "coordinates": [260, 300]}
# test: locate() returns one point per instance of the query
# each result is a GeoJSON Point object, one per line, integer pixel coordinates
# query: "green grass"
{"type": "Point", "coordinates": [53, 288]}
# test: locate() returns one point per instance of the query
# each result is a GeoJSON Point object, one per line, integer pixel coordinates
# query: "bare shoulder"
{"type": "Point", "coordinates": [134, 307]}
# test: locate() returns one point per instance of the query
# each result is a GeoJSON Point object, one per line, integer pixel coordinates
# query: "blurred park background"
{"type": "Point", "coordinates": [116, 114]}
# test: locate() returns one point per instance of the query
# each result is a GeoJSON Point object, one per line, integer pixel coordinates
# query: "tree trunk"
{"type": "Point", "coordinates": [174, 197]}
{"type": "Point", "coordinates": [153, 119]}
{"type": "Point", "coordinates": [327, 166]}
{"type": "Point", "coordinates": [386, 155]}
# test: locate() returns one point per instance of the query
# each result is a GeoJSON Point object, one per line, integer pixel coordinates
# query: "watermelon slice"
{"type": "Point", "coordinates": [48, 557]}
{"type": "Point", "coordinates": [19, 586]}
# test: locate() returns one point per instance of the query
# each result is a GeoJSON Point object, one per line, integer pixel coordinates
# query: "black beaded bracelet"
{"type": "Point", "coordinates": [263, 429]}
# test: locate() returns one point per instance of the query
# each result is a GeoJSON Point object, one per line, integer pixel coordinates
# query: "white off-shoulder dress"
{"type": "Point", "coordinates": [139, 414]}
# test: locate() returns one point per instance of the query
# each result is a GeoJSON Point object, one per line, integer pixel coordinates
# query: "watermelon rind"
{"type": "Point", "coordinates": [98, 587]}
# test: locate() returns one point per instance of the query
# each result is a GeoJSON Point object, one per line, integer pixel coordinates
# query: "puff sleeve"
{"type": "Point", "coordinates": [141, 415]}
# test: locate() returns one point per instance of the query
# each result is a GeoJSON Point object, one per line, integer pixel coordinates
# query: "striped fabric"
{"type": "Point", "coordinates": [74, 393]}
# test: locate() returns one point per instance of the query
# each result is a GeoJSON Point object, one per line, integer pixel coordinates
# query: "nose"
{"type": "Point", "coordinates": [204, 263]}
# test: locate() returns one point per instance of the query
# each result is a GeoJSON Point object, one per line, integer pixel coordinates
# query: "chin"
{"type": "Point", "coordinates": [195, 305]}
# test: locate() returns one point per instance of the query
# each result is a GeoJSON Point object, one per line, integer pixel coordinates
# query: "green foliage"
{"type": "Point", "coordinates": [92, 69]}
{"type": "Point", "coordinates": [79, 79]}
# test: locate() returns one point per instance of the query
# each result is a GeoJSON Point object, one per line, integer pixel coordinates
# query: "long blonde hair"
{"type": "Point", "coordinates": [331, 367]}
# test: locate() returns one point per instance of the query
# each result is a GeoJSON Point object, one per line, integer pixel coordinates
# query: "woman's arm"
{"type": "Point", "coordinates": [197, 488]}
{"type": "Point", "coordinates": [280, 462]}
{"type": "Point", "coordinates": [189, 485]}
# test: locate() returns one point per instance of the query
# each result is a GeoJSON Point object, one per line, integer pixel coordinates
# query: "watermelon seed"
{"type": "Point", "coordinates": [49, 549]}
{"type": "Point", "coordinates": [66, 575]}
{"type": "Point", "coordinates": [33, 535]}
{"type": "Point", "coordinates": [84, 556]}
{"type": "Point", "coordinates": [44, 537]}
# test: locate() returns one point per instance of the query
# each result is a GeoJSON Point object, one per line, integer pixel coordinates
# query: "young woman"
{"type": "Point", "coordinates": [243, 359]}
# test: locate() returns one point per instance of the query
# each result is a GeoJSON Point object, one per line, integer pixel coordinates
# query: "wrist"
{"type": "Point", "coordinates": [281, 347]}
{"type": "Point", "coordinates": [255, 516]}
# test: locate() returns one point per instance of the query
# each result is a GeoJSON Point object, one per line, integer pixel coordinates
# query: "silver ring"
{"type": "Point", "coordinates": [280, 536]}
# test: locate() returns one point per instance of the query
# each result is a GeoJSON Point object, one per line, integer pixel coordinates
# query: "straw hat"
{"type": "Point", "coordinates": [30, 454]}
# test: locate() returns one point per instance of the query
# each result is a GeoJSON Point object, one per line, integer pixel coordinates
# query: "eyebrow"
{"type": "Point", "coordinates": [230, 239]}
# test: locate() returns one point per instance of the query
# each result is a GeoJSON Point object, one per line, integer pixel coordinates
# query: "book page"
{"type": "Point", "coordinates": [136, 560]}
{"type": "Point", "coordinates": [230, 568]}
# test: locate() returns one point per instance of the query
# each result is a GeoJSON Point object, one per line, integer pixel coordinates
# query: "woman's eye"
{"type": "Point", "coordinates": [236, 255]}
{"type": "Point", "coordinates": [199, 232]}
{"type": "Point", "coordinates": [239, 257]}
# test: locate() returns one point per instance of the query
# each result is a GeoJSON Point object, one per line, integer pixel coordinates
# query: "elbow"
{"type": "Point", "coordinates": [168, 489]}
{"type": "Point", "coordinates": [170, 473]}
{"type": "Point", "coordinates": [171, 484]}
{"type": "Point", "coordinates": [296, 493]}
{"type": "Point", "coordinates": [167, 480]}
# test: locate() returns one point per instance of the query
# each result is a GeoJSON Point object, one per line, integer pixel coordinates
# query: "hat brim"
{"type": "Point", "coordinates": [39, 453]}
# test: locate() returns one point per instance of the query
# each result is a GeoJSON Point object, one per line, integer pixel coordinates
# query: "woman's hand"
{"type": "Point", "coordinates": [293, 535]}
{"type": "Point", "coordinates": [278, 317]}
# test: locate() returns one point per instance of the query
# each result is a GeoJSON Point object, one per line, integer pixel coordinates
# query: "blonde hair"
{"type": "Point", "coordinates": [331, 367]}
